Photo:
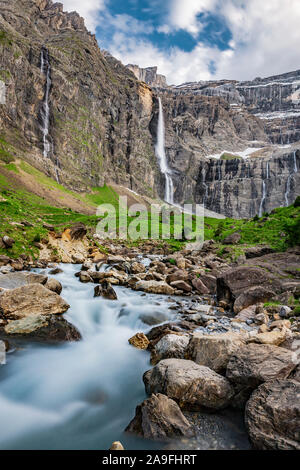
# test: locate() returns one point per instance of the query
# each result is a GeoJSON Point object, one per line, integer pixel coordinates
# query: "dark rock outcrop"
{"type": "Point", "coordinates": [272, 416]}
{"type": "Point", "coordinates": [159, 418]}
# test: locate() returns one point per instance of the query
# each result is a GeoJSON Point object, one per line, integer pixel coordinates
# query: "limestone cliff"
{"type": "Point", "coordinates": [98, 111]}
{"type": "Point", "coordinates": [79, 115]}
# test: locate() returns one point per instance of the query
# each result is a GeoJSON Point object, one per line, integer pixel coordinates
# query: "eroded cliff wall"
{"type": "Point", "coordinates": [99, 112]}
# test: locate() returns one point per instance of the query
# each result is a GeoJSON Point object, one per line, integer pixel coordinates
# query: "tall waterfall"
{"type": "Point", "coordinates": [264, 191]}
{"type": "Point", "coordinates": [263, 198]}
{"type": "Point", "coordinates": [45, 111]}
{"type": "Point", "coordinates": [161, 156]}
{"type": "Point", "coordinates": [288, 182]}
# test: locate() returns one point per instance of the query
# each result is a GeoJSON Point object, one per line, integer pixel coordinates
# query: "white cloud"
{"type": "Point", "coordinates": [183, 14]}
{"type": "Point", "coordinates": [88, 9]}
{"type": "Point", "coordinates": [265, 37]}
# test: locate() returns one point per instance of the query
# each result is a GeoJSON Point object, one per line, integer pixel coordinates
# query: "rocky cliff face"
{"type": "Point", "coordinates": [98, 112]}
{"type": "Point", "coordinates": [79, 115]}
{"type": "Point", "coordinates": [249, 187]}
{"type": "Point", "coordinates": [148, 75]}
{"type": "Point", "coordinates": [259, 120]}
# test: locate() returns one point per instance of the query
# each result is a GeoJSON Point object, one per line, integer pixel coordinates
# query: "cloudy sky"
{"type": "Point", "coordinates": [192, 40]}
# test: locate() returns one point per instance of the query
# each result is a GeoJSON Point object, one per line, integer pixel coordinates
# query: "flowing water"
{"type": "Point", "coordinates": [82, 395]}
{"type": "Point", "coordinates": [263, 198]}
{"type": "Point", "coordinates": [288, 182]}
{"type": "Point", "coordinates": [162, 158]}
{"type": "Point", "coordinates": [79, 395]}
{"type": "Point", "coordinates": [45, 111]}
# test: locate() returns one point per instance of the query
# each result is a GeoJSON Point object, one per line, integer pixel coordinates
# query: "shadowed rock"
{"type": "Point", "coordinates": [159, 418]}
{"type": "Point", "coordinates": [272, 416]}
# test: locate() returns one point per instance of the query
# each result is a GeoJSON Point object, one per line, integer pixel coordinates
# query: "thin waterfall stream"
{"type": "Point", "coordinates": [45, 111]}
{"type": "Point", "coordinates": [288, 182]}
{"type": "Point", "coordinates": [162, 158]}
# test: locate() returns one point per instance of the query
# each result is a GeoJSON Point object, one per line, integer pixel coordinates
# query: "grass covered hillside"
{"type": "Point", "coordinates": [29, 200]}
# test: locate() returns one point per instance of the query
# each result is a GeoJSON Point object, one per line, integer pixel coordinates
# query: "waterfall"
{"type": "Point", "coordinates": [205, 186]}
{"type": "Point", "coordinates": [295, 163]}
{"type": "Point", "coordinates": [288, 182]}
{"type": "Point", "coordinates": [263, 198]}
{"type": "Point", "coordinates": [45, 111]}
{"type": "Point", "coordinates": [161, 156]}
{"type": "Point", "coordinates": [264, 191]}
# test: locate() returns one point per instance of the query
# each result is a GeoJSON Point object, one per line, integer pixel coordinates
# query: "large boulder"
{"type": "Point", "coordinates": [19, 279]}
{"type": "Point", "coordinates": [49, 328]}
{"type": "Point", "coordinates": [32, 299]}
{"type": "Point", "coordinates": [191, 385]}
{"type": "Point", "coordinates": [215, 350]}
{"type": "Point", "coordinates": [253, 364]}
{"type": "Point", "coordinates": [275, 337]}
{"type": "Point", "coordinates": [234, 282]}
{"type": "Point", "coordinates": [159, 418]}
{"type": "Point", "coordinates": [252, 296]}
{"type": "Point", "coordinates": [170, 346]}
{"type": "Point", "coordinates": [154, 287]}
{"type": "Point", "coordinates": [272, 416]}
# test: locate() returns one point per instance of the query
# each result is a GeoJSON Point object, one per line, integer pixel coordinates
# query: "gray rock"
{"type": "Point", "coordinates": [159, 418]}
{"type": "Point", "coordinates": [31, 299]}
{"type": "Point", "coordinates": [170, 346]}
{"type": "Point", "coordinates": [254, 364]}
{"type": "Point", "coordinates": [272, 416]}
{"type": "Point", "coordinates": [215, 350]}
{"type": "Point", "coordinates": [191, 385]}
{"type": "Point", "coordinates": [19, 279]}
{"type": "Point", "coordinates": [47, 328]}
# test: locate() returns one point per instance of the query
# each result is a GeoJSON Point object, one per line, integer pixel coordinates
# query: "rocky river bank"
{"type": "Point", "coordinates": [223, 339]}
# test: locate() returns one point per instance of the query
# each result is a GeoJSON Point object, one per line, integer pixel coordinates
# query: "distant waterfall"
{"type": "Point", "coordinates": [263, 198]}
{"type": "Point", "coordinates": [288, 182]}
{"type": "Point", "coordinates": [161, 156]}
{"type": "Point", "coordinates": [205, 187]}
{"type": "Point", "coordinates": [264, 191]}
{"type": "Point", "coordinates": [295, 162]}
{"type": "Point", "coordinates": [45, 111]}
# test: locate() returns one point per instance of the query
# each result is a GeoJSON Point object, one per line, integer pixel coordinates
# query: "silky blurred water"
{"type": "Point", "coordinates": [79, 395]}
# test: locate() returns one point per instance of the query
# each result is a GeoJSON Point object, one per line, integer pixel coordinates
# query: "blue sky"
{"type": "Point", "coordinates": [198, 39]}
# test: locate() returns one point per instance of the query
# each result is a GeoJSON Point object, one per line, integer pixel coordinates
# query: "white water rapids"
{"type": "Point", "coordinates": [162, 158]}
{"type": "Point", "coordinates": [79, 395]}
{"type": "Point", "coordinates": [82, 395]}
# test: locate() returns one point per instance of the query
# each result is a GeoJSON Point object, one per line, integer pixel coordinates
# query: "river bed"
{"type": "Point", "coordinates": [82, 395]}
